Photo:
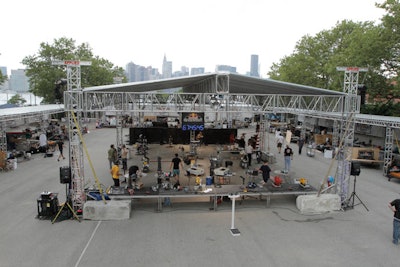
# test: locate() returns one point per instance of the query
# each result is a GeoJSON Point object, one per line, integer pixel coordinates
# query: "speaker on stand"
{"type": "Point", "coordinates": [66, 178]}
{"type": "Point", "coordinates": [355, 170]}
{"type": "Point", "coordinates": [65, 174]}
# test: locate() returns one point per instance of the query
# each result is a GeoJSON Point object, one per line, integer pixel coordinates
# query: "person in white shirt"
{"type": "Point", "coordinates": [43, 142]}
{"type": "Point", "coordinates": [277, 132]}
{"type": "Point", "coordinates": [249, 152]}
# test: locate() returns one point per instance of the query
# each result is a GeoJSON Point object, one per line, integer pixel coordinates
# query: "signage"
{"type": "Point", "coordinates": [71, 62]}
{"type": "Point", "coordinates": [192, 121]}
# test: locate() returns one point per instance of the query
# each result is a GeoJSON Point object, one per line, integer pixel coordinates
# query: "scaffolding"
{"type": "Point", "coordinates": [388, 151]}
{"type": "Point", "coordinates": [342, 108]}
{"type": "Point", "coordinates": [73, 102]}
{"type": "Point", "coordinates": [347, 126]}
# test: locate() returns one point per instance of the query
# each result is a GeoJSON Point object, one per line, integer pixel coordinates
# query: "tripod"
{"type": "Point", "coordinates": [354, 195]}
{"type": "Point", "coordinates": [68, 205]}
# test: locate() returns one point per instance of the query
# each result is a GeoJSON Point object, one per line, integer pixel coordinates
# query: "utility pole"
{"type": "Point", "coordinates": [73, 103]}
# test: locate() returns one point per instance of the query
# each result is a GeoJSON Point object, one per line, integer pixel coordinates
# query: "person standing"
{"type": "Point", "coordinates": [288, 156]}
{"type": "Point", "coordinates": [115, 173]}
{"type": "Point", "coordinates": [395, 207]}
{"type": "Point", "coordinates": [249, 152]}
{"type": "Point", "coordinates": [265, 170]}
{"type": "Point", "coordinates": [200, 137]}
{"type": "Point", "coordinates": [60, 144]}
{"type": "Point", "coordinates": [300, 143]}
{"type": "Point", "coordinates": [175, 163]}
{"type": "Point", "coordinates": [277, 133]}
{"type": "Point", "coordinates": [112, 155]}
{"type": "Point", "coordinates": [43, 143]}
{"type": "Point", "coordinates": [124, 158]}
{"type": "Point", "coordinates": [279, 142]}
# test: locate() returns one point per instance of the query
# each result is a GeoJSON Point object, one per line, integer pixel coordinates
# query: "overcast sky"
{"type": "Point", "coordinates": [190, 33]}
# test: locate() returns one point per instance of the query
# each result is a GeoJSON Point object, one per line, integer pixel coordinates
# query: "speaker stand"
{"type": "Point", "coordinates": [66, 204]}
{"type": "Point", "coordinates": [353, 196]}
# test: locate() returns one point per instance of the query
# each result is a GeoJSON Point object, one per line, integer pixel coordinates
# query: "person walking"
{"type": "Point", "coordinates": [300, 143]}
{"type": "Point", "coordinates": [279, 142]}
{"type": "Point", "coordinates": [249, 152]}
{"type": "Point", "coordinates": [60, 145]}
{"type": "Point", "coordinates": [174, 167]}
{"type": "Point", "coordinates": [288, 156]}
{"type": "Point", "coordinates": [115, 174]}
{"type": "Point", "coordinates": [112, 155]}
{"type": "Point", "coordinates": [395, 207]}
{"type": "Point", "coordinates": [265, 170]}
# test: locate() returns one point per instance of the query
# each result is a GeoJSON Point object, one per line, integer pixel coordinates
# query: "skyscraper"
{"type": "Point", "coordinates": [137, 73]}
{"type": "Point", "coordinates": [131, 72]}
{"type": "Point", "coordinates": [254, 66]}
{"type": "Point", "coordinates": [19, 82]}
{"type": "Point", "coordinates": [225, 68]}
{"type": "Point", "coordinates": [166, 68]}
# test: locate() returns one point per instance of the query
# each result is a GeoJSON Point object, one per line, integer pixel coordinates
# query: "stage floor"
{"type": "Point", "coordinates": [211, 192]}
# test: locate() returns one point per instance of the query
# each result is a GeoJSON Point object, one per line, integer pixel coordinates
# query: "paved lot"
{"type": "Point", "coordinates": [189, 234]}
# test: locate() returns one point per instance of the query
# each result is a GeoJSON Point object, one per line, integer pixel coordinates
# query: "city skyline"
{"type": "Point", "coordinates": [203, 34]}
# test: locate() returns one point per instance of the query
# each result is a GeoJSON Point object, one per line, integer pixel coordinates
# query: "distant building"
{"type": "Point", "coordinates": [195, 71]}
{"type": "Point", "coordinates": [3, 70]}
{"type": "Point", "coordinates": [166, 68]}
{"type": "Point", "coordinates": [137, 73]}
{"type": "Point", "coordinates": [254, 66]}
{"type": "Point", "coordinates": [225, 68]}
{"type": "Point", "coordinates": [19, 82]}
{"type": "Point", "coordinates": [153, 73]}
{"type": "Point", "coordinates": [183, 72]}
{"type": "Point", "coordinates": [130, 70]}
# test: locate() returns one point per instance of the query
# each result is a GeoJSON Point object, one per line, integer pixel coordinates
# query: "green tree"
{"type": "Point", "coordinates": [391, 37]}
{"type": "Point", "coordinates": [315, 58]}
{"type": "Point", "coordinates": [17, 100]}
{"type": "Point", "coordinates": [43, 75]}
{"type": "Point", "coordinates": [2, 78]}
{"type": "Point", "coordinates": [376, 46]}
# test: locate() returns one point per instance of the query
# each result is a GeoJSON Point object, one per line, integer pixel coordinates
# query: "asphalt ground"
{"type": "Point", "coordinates": [190, 234]}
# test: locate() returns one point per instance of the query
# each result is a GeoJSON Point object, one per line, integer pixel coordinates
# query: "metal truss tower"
{"type": "Point", "coordinates": [3, 141]}
{"type": "Point", "coordinates": [351, 75]}
{"type": "Point", "coordinates": [388, 150]}
{"type": "Point", "coordinates": [73, 103]}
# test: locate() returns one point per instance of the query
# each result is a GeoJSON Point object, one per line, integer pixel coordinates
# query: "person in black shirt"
{"type": "Point", "coordinates": [175, 163]}
{"type": "Point", "coordinates": [288, 156]}
{"type": "Point", "coordinates": [60, 144]}
{"type": "Point", "coordinates": [265, 170]}
{"type": "Point", "coordinates": [395, 207]}
{"type": "Point", "coordinates": [300, 143]}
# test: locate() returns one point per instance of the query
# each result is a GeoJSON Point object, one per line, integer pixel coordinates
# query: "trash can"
{"type": "Point", "coordinates": [310, 151]}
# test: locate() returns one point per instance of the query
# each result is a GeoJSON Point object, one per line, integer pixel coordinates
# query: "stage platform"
{"type": "Point", "coordinates": [213, 193]}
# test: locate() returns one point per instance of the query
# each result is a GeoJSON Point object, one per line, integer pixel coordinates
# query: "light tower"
{"type": "Point", "coordinates": [73, 106]}
{"type": "Point", "coordinates": [351, 107]}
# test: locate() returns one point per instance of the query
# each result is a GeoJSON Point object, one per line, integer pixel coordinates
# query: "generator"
{"type": "Point", "coordinates": [47, 205]}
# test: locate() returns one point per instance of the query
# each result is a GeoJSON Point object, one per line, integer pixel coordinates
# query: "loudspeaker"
{"type": "Point", "coordinates": [65, 175]}
{"type": "Point", "coordinates": [355, 168]}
